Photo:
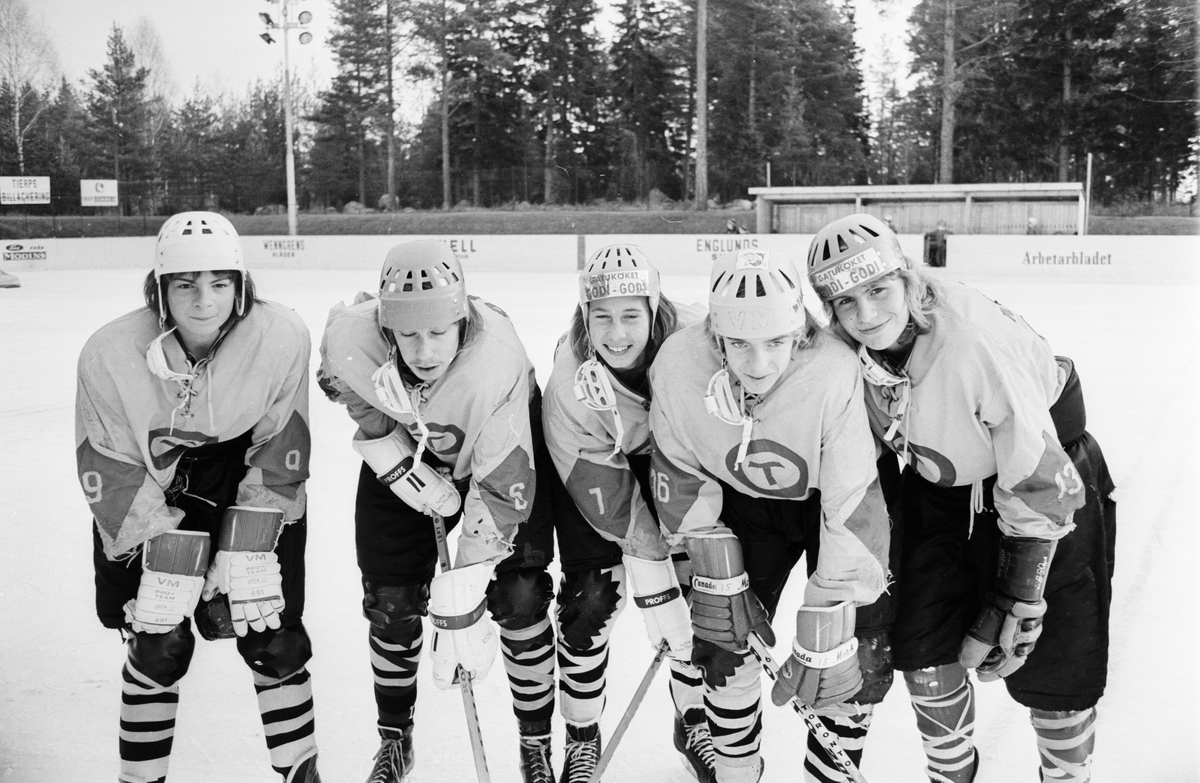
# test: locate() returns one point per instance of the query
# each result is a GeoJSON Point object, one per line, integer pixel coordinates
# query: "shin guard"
{"type": "Point", "coordinates": [529, 663]}
{"type": "Point", "coordinates": [394, 659]}
{"type": "Point", "coordinates": [147, 725]}
{"type": "Point", "coordinates": [286, 707]}
{"type": "Point", "coordinates": [1065, 743]}
{"type": "Point", "coordinates": [944, 701]}
{"type": "Point", "coordinates": [735, 720]}
{"type": "Point", "coordinates": [849, 722]}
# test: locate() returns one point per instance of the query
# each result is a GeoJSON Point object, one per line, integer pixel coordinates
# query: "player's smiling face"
{"type": "Point", "coordinates": [200, 303]}
{"type": "Point", "coordinates": [428, 352]}
{"type": "Point", "coordinates": [620, 329]}
{"type": "Point", "coordinates": [758, 362]}
{"type": "Point", "coordinates": [875, 312]}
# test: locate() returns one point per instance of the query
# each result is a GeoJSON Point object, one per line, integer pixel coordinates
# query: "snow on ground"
{"type": "Point", "coordinates": [1134, 346]}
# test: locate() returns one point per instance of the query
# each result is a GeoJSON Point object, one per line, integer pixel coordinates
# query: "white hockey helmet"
{"type": "Point", "coordinates": [851, 251]}
{"type": "Point", "coordinates": [198, 242]}
{"type": "Point", "coordinates": [754, 293]}
{"type": "Point", "coordinates": [421, 286]}
{"type": "Point", "coordinates": [619, 270]}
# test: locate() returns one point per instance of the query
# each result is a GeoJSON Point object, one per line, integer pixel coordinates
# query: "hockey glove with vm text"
{"type": "Point", "coordinates": [1010, 623]}
{"type": "Point", "coordinates": [823, 668]}
{"type": "Point", "coordinates": [725, 611]}
{"type": "Point", "coordinates": [173, 565]}
{"type": "Point", "coordinates": [246, 568]}
{"type": "Point", "coordinates": [656, 592]}
{"type": "Point", "coordinates": [463, 633]}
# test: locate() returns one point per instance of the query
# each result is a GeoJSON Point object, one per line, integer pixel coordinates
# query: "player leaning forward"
{"type": "Point", "coordinates": [597, 431]}
{"type": "Point", "coordinates": [1009, 524]}
{"type": "Point", "coordinates": [786, 467]}
{"type": "Point", "coordinates": [192, 444]}
{"type": "Point", "coordinates": [449, 424]}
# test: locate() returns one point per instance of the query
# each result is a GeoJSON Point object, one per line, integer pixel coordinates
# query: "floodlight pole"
{"type": "Point", "coordinates": [287, 124]}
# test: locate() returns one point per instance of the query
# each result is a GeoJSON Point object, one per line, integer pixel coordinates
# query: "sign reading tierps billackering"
{"type": "Point", "coordinates": [24, 190]}
{"type": "Point", "coordinates": [98, 192]}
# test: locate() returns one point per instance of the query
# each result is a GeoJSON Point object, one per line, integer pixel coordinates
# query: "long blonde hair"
{"type": "Point", "coordinates": [922, 294]}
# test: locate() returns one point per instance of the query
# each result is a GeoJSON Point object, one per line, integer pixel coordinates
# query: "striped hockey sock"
{"type": "Point", "coordinates": [581, 682]}
{"type": "Point", "coordinates": [529, 662]}
{"type": "Point", "coordinates": [944, 701]}
{"type": "Point", "coordinates": [1065, 743]}
{"type": "Point", "coordinates": [147, 726]}
{"type": "Point", "coordinates": [735, 721]}
{"type": "Point", "coordinates": [394, 666]}
{"type": "Point", "coordinates": [286, 707]}
{"type": "Point", "coordinates": [851, 732]}
{"type": "Point", "coordinates": [687, 688]}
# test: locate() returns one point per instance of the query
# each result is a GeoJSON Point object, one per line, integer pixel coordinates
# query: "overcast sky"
{"type": "Point", "coordinates": [216, 42]}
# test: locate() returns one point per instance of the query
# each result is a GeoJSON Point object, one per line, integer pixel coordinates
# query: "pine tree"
{"type": "Point", "coordinates": [117, 104]}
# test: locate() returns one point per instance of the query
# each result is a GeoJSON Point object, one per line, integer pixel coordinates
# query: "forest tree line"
{"type": "Point", "coordinates": [524, 102]}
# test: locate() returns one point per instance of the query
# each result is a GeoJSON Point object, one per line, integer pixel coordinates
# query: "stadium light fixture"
{"type": "Point", "coordinates": [302, 19]}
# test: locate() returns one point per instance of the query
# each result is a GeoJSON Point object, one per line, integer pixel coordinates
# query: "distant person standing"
{"type": "Point", "coordinates": [1032, 226]}
{"type": "Point", "coordinates": [935, 245]}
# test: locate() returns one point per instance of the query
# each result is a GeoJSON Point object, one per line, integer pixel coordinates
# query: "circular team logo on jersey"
{"type": "Point", "coordinates": [445, 440]}
{"type": "Point", "coordinates": [771, 469]}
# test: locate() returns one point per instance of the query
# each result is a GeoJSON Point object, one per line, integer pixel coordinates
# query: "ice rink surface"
{"type": "Point", "coordinates": [1135, 349]}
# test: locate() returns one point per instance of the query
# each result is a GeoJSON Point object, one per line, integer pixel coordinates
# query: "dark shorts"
{"type": "Point", "coordinates": [396, 544]}
{"type": "Point", "coordinates": [206, 483]}
{"type": "Point", "coordinates": [945, 574]}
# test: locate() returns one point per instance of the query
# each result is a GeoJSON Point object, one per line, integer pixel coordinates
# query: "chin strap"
{"type": "Point", "coordinates": [595, 391]}
{"type": "Point", "coordinates": [894, 387]}
{"type": "Point", "coordinates": [720, 402]}
{"type": "Point", "coordinates": [392, 394]}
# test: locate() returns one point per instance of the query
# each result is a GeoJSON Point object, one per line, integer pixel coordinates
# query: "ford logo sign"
{"type": "Point", "coordinates": [14, 247]}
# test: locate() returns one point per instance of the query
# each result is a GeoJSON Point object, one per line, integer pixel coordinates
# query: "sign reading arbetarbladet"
{"type": "Point", "coordinates": [98, 192]}
{"type": "Point", "coordinates": [24, 190]}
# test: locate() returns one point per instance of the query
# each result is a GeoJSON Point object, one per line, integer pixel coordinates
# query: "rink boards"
{"type": "Point", "coordinates": [1102, 259]}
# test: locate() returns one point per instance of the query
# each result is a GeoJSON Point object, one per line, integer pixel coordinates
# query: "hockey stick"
{"type": "Point", "coordinates": [464, 679]}
{"type": "Point", "coordinates": [820, 732]}
{"type": "Point", "coordinates": [634, 703]}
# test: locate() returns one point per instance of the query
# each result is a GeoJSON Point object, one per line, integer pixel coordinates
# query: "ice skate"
{"type": "Point", "coordinates": [694, 742]}
{"type": "Point", "coordinates": [582, 753]}
{"type": "Point", "coordinates": [394, 761]}
{"type": "Point", "coordinates": [535, 752]}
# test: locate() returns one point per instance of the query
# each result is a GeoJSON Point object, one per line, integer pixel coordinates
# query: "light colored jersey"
{"type": "Point", "coordinates": [593, 465]}
{"type": "Point", "coordinates": [810, 433]}
{"type": "Point", "coordinates": [131, 426]}
{"type": "Point", "coordinates": [981, 386]}
{"type": "Point", "coordinates": [477, 414]}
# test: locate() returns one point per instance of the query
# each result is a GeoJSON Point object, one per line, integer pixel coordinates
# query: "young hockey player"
{"type": "Point", "coordinates": [597, 431]}
{"type": "Point", "coordinates": [449, 424]}
{"type": "Point", "coordinates": [762, 453]}
{"type": "Point", "coordinates": [192, 446]}
{"type": "Point", "coordinates": [1009, 523]}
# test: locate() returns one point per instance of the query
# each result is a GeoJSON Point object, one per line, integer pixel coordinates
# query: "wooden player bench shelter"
{"type": "Point", "coordinates": [1005, 208]}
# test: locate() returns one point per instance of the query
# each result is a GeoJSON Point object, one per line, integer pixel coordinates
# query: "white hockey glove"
{"type": "Point", "coordinates": [173, 565]}
{"type": "Point", "coordinates": [656, 592]}
{"type": "Point", "coordinates": [1009, 625]}
{"type": "Point", "coordinates": [246, 568]}
{"type": "Point", "coordinates": [823, 668]}
{"type": "Point", "coordinates": [463, 633]}
{"type": "Point", "coordinates": [725, 611]}
{"type": "Point", "coordinates": [420, 486]}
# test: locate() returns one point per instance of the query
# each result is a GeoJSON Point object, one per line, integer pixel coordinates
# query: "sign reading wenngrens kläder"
{"type": "Point", "coordinates": [24, 190]}
{"type": "Point", "coordinates": [98, 192]}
